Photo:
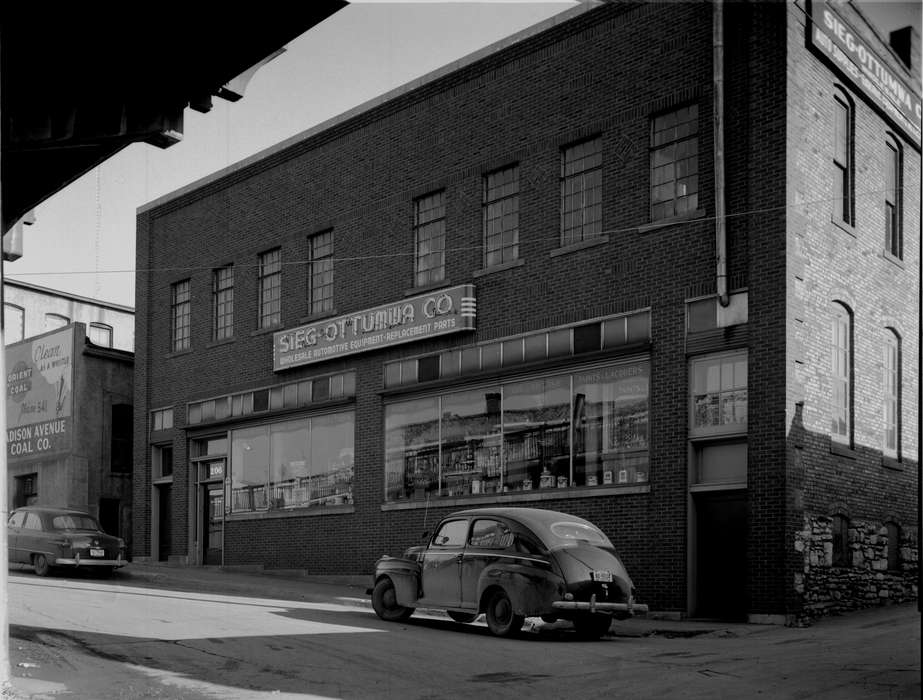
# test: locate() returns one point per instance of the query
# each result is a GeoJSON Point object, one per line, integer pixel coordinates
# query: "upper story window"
{"type": "Point", "coordinates": [163, 461]}
{"type": "Point", "coordinates": [894, 189]}
{"type": "Point", "coordinates": [718, 393]}
{"type": "Point", "coordinates": [223, 303]}
{"type": "Point", "coordinates": [675, 163]}
{"type": "Point", "coordinates": [162, 419]}
{"type": "Point", "coordinates": [101, 334]}
{"type": "Point", "coordinates": [320, 272]}
{"type": "Point", "coordinates": [841, 374]}
{"type": "Point", "coordinates": [581, 191]}
{"type": "Point", "coordinates": [14, 323]}
{"type": "Point", "coordinates": [53, 321]}
{"type": "Point", "coordinates": [270, 302]}
{"type": "Point", "coordinates": [501, 216]}
{"type": "Point", "coordinates": [843, 181]}
{"type": "Point", "coordinates": [891, 393]}
{"type": "Point", "coordinates": [429, 238]}
{"type": "Point", "coordinates": [181, 315]}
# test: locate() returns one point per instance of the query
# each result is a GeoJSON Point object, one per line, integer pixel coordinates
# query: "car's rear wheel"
{"type": "Point", "coordinates": [384, 602]}
{"type": "Point", "coordinates": [592, 626]}
{"type": "Point", "coordinates": [501, 616]}
{"type": "Point", "coordinates": [41, 565]}
{"type": "Point", "coordinates": [462, 616]}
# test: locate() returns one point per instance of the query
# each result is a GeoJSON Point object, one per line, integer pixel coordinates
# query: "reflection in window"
{"type": "Point", "coordinates": [490, 534]}
{"type": "Point", "coordinates": [299, 463]}
{"type": "Point", "coordinates": [585, 429]}
{"type": "Point", "coordinates": [841, 377]}
{"type": "Point", "coordinates": [719, 393]}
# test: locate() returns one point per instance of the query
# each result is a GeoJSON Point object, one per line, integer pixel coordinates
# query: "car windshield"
{"type": "Point", "coordinates": [74, 522]}
{"type": "Point", "coordinates": [572, 532]}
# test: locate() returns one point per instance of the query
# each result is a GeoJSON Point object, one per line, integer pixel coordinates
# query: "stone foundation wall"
{"type": "Point", "coordinates": [826, 589]}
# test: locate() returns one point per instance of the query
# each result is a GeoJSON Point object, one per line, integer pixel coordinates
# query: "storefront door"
{"type": "Point", "coordinates": [721, 555]}
{"type": "Point", "coordinates": [213, 527]}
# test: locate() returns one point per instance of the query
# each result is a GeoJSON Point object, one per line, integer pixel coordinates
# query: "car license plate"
{"type": "Point", "coordinates": [97, 552]}
{"type": "Point", "coordinates": [602, 576]}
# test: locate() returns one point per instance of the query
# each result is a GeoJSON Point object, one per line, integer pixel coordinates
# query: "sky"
{"type": "Point", "coordinates": [83, 239]}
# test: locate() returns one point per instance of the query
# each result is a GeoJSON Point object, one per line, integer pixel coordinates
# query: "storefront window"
{"type": "Point", "coordinates": [307, 462]}
{"type": "Point", "coordinates": [611, 425]}
{"type": "Point", "coordinates": [570, 430]}
{"type": "Point", "coordinates": [411, 449]}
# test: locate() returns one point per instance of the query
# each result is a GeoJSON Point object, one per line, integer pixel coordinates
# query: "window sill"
{"type": "Point", "coordinates": [267, 330]}
{"type": "Point", "coordinates": [223, 341]}
{"type": "Point", "coordinates": [842, 225]}
{"type": "Point", "coordinates": [413, 291]}
{"type": "Point", "coordinates": [841, 449]}
{"type": "Point", "coordinates": [654, 225]}
{"type": "Point", "coordinates": [291, 513]}
{"type": "Point", "coordinates": [892, 463]}
{"type": "Point", "coordinates": [163, 480]}
{"type": "Point", "coordinates": [514, 497]}
{"type": "Point", "coordinates": [500, 268]}
{"type": "Point", "coordinates": [180, 353]}
{"type": "Point", "coordinates": [893, 259]}
{"type": "Point", "coordinates": [318, 316]}
{"type": "Point", "coordinates": [582, 245]}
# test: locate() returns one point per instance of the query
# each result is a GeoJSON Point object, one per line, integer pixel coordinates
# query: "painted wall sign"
{"type": "Point", "coordinates": [39, 395]}
{"type": "Point", "coordinates": [417, 318]}
{"type": "Point", "coordinates": [833, 38]}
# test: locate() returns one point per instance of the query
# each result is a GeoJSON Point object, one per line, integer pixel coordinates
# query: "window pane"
{"type": "Point", "coordinates": [674, 163]}
{"type": "Point", "coordinates": [536, 433]}
{"type": "Point", "coordinates": [411, 449]}
{"type": "Point", "coordinates": [249, 468]}
{"type": "Point", "coordinates": [471, 442]}
{"type": "Point", "coordinates": [332, 453]}
{"type": "Point", "coordinates": [581, 191]}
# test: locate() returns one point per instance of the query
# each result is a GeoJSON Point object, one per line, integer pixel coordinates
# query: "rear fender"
{"type": "Point", "coordinates": [404, 574]}
{"type": "Point", "coordinates": [532, 591]}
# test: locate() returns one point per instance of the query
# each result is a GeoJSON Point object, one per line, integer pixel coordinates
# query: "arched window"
{"type": "Point", "coordinates": [894, 190]}
{"type": "Point", "coordinates": [841, 374]}
{"type": "Point", "coordinates": [101, 334]}
{"type": "Point", "coordinates": [891, 393]}
{"type": "Point", "coordinates": [843, 180]}
{"type": "Point", "coordinates": [53, 321]}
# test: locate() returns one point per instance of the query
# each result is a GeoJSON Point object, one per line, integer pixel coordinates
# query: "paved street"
{"type": "Point", "coordinates": [159, 632]}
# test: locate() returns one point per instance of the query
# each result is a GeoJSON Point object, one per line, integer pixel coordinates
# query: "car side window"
{"type": "Point", "coordinates": [527, 546]}
{"type": "Point", "coordinates": [451, 534]}
{"type": "Point", "coordinates": [16, 519]}
{"type": "Point", "coordinates": [490, 534]}
{"type": "Point", "coordinates": [33, 522]}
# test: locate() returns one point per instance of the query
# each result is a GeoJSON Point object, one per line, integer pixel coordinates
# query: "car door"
{"type": "Point", "coordinates": [487, 544]}
{"type": "Point", "coordinates": [441, 564]}
{"type": "Point", "coordinates": [13, 526]}
{"type": "Point", "coordinates": [32, 537]}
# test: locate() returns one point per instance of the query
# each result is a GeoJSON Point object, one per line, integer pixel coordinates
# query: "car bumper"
{"type": "Point", "coordinates": [592, 606]}
{"type": "Point", "coordinates": [83, 561]}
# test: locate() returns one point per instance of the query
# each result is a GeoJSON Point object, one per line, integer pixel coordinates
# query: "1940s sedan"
{"type": "Point", "coordinates": [47, 537]}
{"type": "Point", "coordinates": [509, 563]}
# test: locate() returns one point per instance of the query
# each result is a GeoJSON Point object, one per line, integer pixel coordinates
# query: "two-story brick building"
{"type": "Point", "coordinates": [652, 264]}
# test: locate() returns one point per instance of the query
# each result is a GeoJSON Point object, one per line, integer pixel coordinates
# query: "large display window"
{"type": "Point", "coordinates": [580, 429]}
{"type": "Point", "coordinates": [293, 464]}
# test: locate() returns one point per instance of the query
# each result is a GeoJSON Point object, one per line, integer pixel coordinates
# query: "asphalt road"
{"type": "Point", "coordinates": [192, 634]}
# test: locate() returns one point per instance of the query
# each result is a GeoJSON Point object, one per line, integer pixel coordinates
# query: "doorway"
{"type": "Point", "coordinates": [165, 522]}
{"type": "Point", "coordinates": [109, 518]}
{"type": "Point", "coordinates": [721, 555]}
{"type": "Point", "coordinates": [213, 525]}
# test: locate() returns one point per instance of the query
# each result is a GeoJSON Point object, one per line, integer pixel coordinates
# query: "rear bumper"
{"type": "Point", "coordinates": [81, 561]}
{"type": "Point", "coordinates": [593, 607]}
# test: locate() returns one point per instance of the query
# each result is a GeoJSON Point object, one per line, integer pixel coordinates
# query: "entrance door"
{"type": "Point", "coordinates": [165, 521]}
{"type": "Point", "coordinates": [721, 555]}
{"type": "Point", "coordinates": [213, 527]}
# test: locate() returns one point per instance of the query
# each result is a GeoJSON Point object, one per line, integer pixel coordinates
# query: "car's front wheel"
{"type": "Point", "coordinates": [384, 602]}
{"type": "Point", "coordinates": [592, 626]}
{"type": "Point", "coordinates": [501, 616]}
{"type": "Point", "coordinates": [41, 565]}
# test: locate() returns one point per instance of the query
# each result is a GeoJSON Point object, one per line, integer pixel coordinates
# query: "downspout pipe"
{"type": "Point", "coordinates": [718, 129]}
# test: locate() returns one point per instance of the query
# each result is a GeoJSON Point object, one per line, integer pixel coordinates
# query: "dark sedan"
{"type": "Point", "coordinates": [509, 563]}
{"type": "Point", "coordinates": [45, 537]}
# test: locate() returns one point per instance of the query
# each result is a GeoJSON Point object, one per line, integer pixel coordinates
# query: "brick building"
{"type": "Point", "coordinates": [554, 273]}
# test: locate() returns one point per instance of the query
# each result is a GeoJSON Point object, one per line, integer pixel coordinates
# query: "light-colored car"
{"type": "Point", "coordinates": [509, 563]}
{"type": "Point", "coordinates": [46, 537]}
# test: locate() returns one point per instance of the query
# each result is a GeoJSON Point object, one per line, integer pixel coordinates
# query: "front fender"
{"type": "Point", "coordinates": [404, 574]}
{"type": "Point", "coordinates": [532, 591]}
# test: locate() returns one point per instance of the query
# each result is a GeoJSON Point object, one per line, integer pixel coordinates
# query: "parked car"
{"type": "Point", "coordinates": [46, 537]}
{"type": "Point", "coordinates": [509, 563]}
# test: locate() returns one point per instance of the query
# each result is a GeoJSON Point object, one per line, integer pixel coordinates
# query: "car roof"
{"type": "Point", "coordinates": [57, 510]}
{"type": "Point", "coordinates": [533, 518]}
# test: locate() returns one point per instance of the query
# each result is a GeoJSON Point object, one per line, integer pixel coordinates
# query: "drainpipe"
{"type": "Point", "coordinates": [718, 84]}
